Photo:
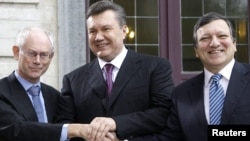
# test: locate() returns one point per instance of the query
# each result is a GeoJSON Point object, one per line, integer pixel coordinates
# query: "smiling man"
{"type": "Point", "coordinates": [215, 45]}
{"type": "Point", "coordinates": [217, 96]}
{"type": "Point", "coordinates": [136, 100]}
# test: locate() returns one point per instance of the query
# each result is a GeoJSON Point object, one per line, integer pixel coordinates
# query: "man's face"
{"type": "Point", "coordinates": [33, 59]}
{"type": "Point", "coordinates": [215, 45]}
{"type": "Point", "coordinates": [105, 35]}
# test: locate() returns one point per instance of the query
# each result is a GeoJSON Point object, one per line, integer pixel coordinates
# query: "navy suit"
{"type": "Point", "coordinates": [140, 98]}
{"type": "Point", "coordinates": [18, 120]}
{"type": "Point", "coordinates": [187, 121]}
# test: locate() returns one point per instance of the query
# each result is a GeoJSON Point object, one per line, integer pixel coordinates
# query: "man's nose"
{"type": "Point", "coordinates": [99, 36]}
{"type": "Point", "coordinates": [215, 42]}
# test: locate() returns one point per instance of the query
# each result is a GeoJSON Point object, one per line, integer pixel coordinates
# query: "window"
{"type": "Point", "coordinates": [142, 20]}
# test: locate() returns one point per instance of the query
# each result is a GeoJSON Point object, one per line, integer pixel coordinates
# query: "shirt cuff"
{"type": "Point", "coordinates": [64, 133]}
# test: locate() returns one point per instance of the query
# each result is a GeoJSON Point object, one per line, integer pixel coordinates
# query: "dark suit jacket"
{"type": "Point", "coordinates": [187, 121]}
{"type": "Point", "coordinates": [18, 120]}
{"type": "Point", "coordinates": [140, 98]}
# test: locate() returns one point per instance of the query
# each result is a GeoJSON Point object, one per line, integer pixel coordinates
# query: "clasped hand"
{"type": "Point", "coordinates": [102, 129]}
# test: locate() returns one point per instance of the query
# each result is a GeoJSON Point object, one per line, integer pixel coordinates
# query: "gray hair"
{"type": "Point", "coordinates": [24, 33]}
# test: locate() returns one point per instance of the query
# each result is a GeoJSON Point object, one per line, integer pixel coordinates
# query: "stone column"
{"type": "Point", "coordinates": [72, 43]}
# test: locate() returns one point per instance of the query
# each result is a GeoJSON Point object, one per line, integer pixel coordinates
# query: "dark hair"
{"type": "Point", "coordinates": [101, 6]}
{"type": "Point", "coordinates": [206, 19]}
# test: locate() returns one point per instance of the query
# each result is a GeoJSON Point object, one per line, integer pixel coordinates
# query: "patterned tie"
{"type": "Point", "coordinates": [35, 91]}
{"type": "Point", "coordinates": [108, 69]}
{"type": "Point", "coordinates": [216, 99]}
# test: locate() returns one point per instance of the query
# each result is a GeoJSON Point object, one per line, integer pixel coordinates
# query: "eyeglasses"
{"type": "Point", "coordinates": [44, 56]}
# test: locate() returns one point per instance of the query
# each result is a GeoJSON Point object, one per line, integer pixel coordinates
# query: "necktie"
{"type": "Point", "coordinates": [216, 99]}
{"type": "Point", "coordinates": [108, 68]}
{"type": "Point", "coordinates": [35, 91]}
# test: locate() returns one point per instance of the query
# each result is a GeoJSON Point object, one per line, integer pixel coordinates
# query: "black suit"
{"type": "Point", "coordinates": [187, 121]}
{"type": "Point", "coordinates": [140, 98]}
{"type": "Point", "coordinates": [18, 120]}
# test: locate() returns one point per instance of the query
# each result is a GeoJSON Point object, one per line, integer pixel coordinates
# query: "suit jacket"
{"type": "Point", "coordinates": [187, 121]}
{"type": "Point", "coordinates": [18, 120]}
{"type": "Point", "coordinates": [139, 101]}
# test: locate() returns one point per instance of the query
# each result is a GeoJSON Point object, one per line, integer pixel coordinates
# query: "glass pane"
{"type": "Point", "coordinates": [190, 62]}
{"type": "Point", "coordinates": [147, 31]}
{"type": "Point", "coordinates": [92, 1]}
{"type": "Point", "coordinates": [241, 28]}
{"type": "Point", "coordinates": [130, 39]}
{"type": "Point", "coordinates": [146, 8]}
{"type": "Point", "coordinates": [187, 30]}
{"type": "Point", "coordinates": [152, 50]}
{"type": "Point", "coordinates": [128, 6]}
{"type": "Point", "coordinates": [131, 47]}
{"type": "Point", "coordinates": [237, 8]}
{"type": "Point", "coordinates": [242, 53]}
{"type": "Point", "coordinates": [215, 6]}
{"type": "Point", "coordinates": [191, 8]}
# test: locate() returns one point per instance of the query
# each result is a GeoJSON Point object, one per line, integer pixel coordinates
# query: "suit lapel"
{"type": "Point", "coordinates": [235, 90]}
{"type": "Point", "coordinates": [96, 82]}
{"type": "Point", "coordinates": [20, 99]}
{"type": "Point", "coordinates": [128, 68]}
{"type": "Point", "coordinates": [196, 95]}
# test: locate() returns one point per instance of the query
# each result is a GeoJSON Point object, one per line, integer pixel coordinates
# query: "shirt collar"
{"type": "Point", "coordinates": [117, 61]}
{"type": "Point", "coordinates": [26, 84]}
{"type": "Point", "coordinates": [225, 72]}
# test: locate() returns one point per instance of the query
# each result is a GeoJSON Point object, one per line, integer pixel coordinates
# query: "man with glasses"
{"type": "Point", "coordinates": [23, 117]}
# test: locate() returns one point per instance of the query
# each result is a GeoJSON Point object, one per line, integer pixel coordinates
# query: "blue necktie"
{"type": "Point", "coordinates": [216, 99]}
{"type": "Point", "coordinates": [108, 69]}
{"type": "Point", "coordinates": [35, 91]}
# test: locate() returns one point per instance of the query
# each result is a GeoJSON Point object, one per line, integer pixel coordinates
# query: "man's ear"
{"type": "Point", "coordinates": [16, 50]}
{"type": "Point", "coordinates": [124, 30]}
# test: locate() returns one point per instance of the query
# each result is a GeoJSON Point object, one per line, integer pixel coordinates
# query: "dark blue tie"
{"type": "Point", "coordinates": [35, 91]}
{"type": "Point", "coordinates": [216, 99]}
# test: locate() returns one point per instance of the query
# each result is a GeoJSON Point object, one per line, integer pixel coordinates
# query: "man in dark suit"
{"type": "Point", "coordinates": [190, 115]}
{"type": "Point", "coordinates": [19, 120]}
{"type": "Point", "coordinates": [139, 101]}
